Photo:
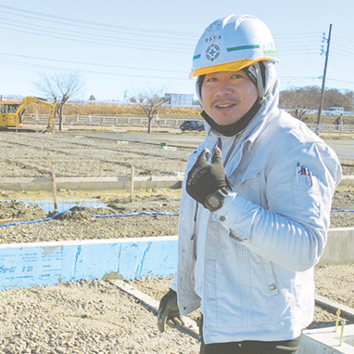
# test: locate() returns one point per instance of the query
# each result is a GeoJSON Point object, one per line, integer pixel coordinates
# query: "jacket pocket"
{"type": "Point", "coordinates": [240, 176]}
{"type": "Point", "coordinates": [252, 187]}
{"type": "Point", "coordinates": [271, 282]}
{"type": "Point", "coordinates": [306, 195]}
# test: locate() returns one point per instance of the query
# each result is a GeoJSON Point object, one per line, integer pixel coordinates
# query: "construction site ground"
{"type": "Point", "coordinates": [95, 316]}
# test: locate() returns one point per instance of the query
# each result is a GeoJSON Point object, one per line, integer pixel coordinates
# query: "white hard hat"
{"type": "Point", "coordinates": [231, 44]}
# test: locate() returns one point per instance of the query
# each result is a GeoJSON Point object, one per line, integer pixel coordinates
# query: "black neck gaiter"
{"type": "Point", "coordinates": [238, 126]}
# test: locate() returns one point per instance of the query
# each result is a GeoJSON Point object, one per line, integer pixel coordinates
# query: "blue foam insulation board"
{"type": "Point", "coordinates": [50, 263]}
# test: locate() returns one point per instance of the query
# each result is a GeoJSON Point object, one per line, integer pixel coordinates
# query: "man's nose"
{"type": "Point", "coordinates": [224, 88]}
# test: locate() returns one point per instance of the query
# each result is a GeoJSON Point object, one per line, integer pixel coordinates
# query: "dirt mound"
{"type": "Point", "coordinates": [19, 210]}
{"type": "Point", "coordinates": [147, 215]}
{"type": "Point", "coordinates": [76, 213]}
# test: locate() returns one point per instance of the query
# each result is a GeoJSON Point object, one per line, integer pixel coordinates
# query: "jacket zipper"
{"type": "Point", "coordinates": [219, 145]}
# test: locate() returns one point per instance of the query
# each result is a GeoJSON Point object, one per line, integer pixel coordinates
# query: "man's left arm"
{"type": "Point", "coordinates": [299, 189]}
{"type": "Point", "coordinates": [293, 230]}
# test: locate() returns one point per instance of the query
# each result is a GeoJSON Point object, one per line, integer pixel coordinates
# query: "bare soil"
{"type": "Point", "coordinates": [94, 316]}
{"type": "Point", "coordinates": [81, 222]}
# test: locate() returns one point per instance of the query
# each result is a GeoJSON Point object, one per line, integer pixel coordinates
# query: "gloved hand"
{"type": "Point", "coordinates": [169, 312]}
{"type": "Point", "coordinates": [205, 178]}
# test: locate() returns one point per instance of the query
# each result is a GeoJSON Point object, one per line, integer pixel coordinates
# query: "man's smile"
{"type": "Point", "coordinates": [225, 105]}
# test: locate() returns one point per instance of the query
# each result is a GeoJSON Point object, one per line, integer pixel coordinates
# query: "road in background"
{"type": "Point", "coordinates": [191, 140]}
{"type": "Point", "coordinates": [343, 148]}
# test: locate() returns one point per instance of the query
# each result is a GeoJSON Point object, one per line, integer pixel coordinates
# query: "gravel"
{"type": "Point", "coordinates": [82, 317]}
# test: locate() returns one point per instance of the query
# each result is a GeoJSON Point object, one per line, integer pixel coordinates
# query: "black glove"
{"type": "Point", "coordinates": [169, 312]}
{"type": "Point", "coordinates": [206, 178]}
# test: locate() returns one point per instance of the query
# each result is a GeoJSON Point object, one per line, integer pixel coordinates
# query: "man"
{"type": "Point", "coordinates": [256, 202]}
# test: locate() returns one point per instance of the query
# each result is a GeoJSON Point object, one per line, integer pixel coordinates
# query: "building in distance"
{"type": "Point", "coordinates": [179, 99]}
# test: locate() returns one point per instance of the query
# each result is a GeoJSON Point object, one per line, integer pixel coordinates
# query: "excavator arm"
{"type": "Point", "coordinates": [9, 118]}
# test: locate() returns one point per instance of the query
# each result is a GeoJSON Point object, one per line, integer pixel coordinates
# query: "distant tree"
{"type": "Point", "coordinates": [307, 98]}
{"type": "Point", "coordinates": [300, 100]}
{"type": "Point", "coordinates": [92, 98]}
{"type": "Point", "coordinates": [336, 98]}
{"type": "Point", "coordinates": [150, 100]}
{"type": "Point", "coordinates": [60, 87]}
{"type": "Point", "coordinates": [349, 103]}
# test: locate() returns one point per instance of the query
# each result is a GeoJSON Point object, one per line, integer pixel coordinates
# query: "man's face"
{"type": "Point", "coordinates": [227, 96]}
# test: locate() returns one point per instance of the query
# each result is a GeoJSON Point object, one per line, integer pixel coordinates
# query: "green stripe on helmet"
{"type": "Point", "coordinates": [244, 47]}
{"type": "Point", "coordinates": [197, 56]}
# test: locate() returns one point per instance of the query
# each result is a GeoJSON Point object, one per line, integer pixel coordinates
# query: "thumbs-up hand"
{"type": "Point", "coordinates": [206, 178]}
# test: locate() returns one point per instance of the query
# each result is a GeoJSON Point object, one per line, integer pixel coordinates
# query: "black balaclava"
{"type": "Point", "coordinates": [241, 124]}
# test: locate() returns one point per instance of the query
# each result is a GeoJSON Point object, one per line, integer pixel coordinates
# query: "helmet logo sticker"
{"type": "Point", "coordinates": [212, 52]}
{"type": "Point", "coordinates": [213, 38]}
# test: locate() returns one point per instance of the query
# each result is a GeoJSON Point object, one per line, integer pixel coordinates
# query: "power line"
{"type": "Point", "coordinates": [122, 42]}
{"type": "Point", "coordinates": [115, 43]}
{"type": "Point", "coordinates": [287, 35]}
{"type": "Point", "coordinates": [342, 81]}
{"type": "Point", "coordinates": [348, 58]}
{"type": "Point", "coordinates": [297, 52]}
{"type": "Point", "coordinates": [298, 45]}
{"type": "Point", "coordinates": [344, 39]}
{"type": "Point", "coordinates": [90, 38]}
{"type": "Point", "coordinates": [343, 51]}
{"type": "Point", "coordinates": [141, 31]}
{"type": "Point", "coordinates": [292, 49]}
{"type": "Point", "coordinates": [298, 78]}
{"type": "Point", "coordinates": [152, 48]}
{"type": "Point", "coordinates": [94, 64]}
{"type": "Point", "coordinates": [83, 35]}
{"type": "Point", "coordinates": [21, 64]}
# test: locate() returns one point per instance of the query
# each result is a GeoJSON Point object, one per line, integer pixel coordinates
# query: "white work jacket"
{"type": "Point", "coordinates": [249, 266]}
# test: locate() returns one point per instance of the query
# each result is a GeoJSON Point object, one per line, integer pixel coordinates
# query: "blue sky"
{"type": "Point", "coordinates": [122, 47]}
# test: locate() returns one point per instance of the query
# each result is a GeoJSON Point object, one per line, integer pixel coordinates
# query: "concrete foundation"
{"type": "Point", "coordinates": [347, 181]}
{"type": "Point", "coordinates": [104, 183]}
{"type": "Point", "coordinates": [340, 247]}
{"type": "Point", "coordinates": [89, 183]}
{"type": "Point", "coordinates": [30, 264]}
{"type": "Point", "coordinates": [328, 341]}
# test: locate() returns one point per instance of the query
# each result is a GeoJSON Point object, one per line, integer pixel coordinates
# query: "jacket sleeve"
{"type": "Point", "coordinates": [292, 230]}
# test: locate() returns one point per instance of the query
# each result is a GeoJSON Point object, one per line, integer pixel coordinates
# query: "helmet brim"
{"type": "Point", "coordinates": [233, 66]}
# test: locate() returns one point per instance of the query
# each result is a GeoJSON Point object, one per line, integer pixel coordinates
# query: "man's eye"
{"type": "Point", "coordinates": [211, 79]}
{"type": "Point", "coordinates": [237, 76]}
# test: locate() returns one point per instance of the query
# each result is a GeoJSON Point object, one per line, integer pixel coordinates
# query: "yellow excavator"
{"type": "Point", "coordinates": [11, 114]}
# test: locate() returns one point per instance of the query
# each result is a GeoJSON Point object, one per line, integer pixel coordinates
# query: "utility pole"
{"type": "Point", "coordinates": [323, 82]}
